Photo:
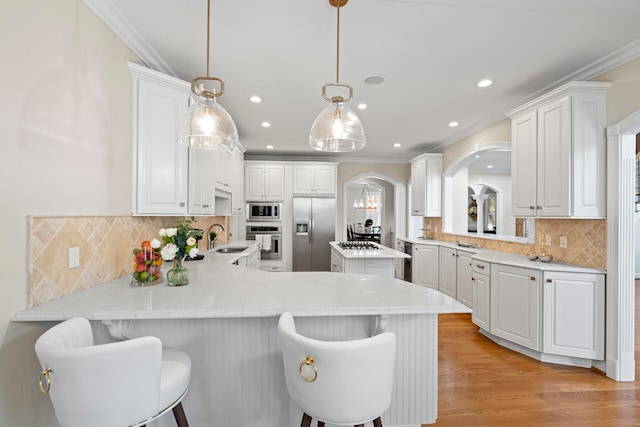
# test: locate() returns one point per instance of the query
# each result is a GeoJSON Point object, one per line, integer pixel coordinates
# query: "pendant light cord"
{"type": "Point", "coordinates": [338, 45]}
{"type": "Point", "coordinates": [208, 27]}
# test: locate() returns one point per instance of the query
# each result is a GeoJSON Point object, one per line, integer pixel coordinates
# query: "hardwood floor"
{"type": "Point", "coordinates": [484, 384]}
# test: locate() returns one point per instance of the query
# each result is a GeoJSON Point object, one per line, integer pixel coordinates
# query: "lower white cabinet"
{"type": "Point", "coordinates": [574, 314]}
{"type": "Point", "coordinates": [481, 282]}
{"type": "Point", "coordinates": [515, 304]}
{"type": "Point", "coordinates": [448, 271]}
{"type": "Point", "coordinates": [464, 273]}
{"type": "Point", "coordinates": [425, 265]}
{"type": "Point", "coordinates": [365, 265]}
{"type": "Point", "coordinates": [251, 260]}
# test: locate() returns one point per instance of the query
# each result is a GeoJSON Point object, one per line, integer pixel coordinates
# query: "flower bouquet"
{"type": "Point", "coordinates": [177, 243]}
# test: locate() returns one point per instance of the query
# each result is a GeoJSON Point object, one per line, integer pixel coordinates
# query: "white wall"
{"type": "Point", "coordinates": [66, 149]}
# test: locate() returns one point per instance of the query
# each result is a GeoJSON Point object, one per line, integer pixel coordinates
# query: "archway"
{"type": "Point", "coordinates": [393, 205]}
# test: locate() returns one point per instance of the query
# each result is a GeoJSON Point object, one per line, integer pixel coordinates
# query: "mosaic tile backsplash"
{"type": "Point", "coordinates": [106, 244]}
{"type": "Point", "coordinates": [586, 240]}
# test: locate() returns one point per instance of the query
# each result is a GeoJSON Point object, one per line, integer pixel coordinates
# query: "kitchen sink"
{"type": "Point", "coordinates": [232, 250]}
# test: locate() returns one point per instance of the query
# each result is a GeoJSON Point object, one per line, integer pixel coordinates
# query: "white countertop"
{"type": "Point", "coordinates": [219, 289]}
{"type": "Point", "coordinates": [499, 257]}
{"type": "Point", "coordinates": [381, 252]}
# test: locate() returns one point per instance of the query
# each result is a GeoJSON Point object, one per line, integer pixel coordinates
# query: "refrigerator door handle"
{"type": "Point", "coordinates": [311, 230]}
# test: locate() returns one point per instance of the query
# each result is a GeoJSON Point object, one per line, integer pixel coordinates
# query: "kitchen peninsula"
{"type": "Point", "coordinates": [226, 319]}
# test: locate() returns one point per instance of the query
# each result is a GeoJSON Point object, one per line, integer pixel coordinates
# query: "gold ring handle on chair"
{"type": "Point", "coordinates": [45, 374]}
{"type": "Point", "coordinates": [309, 361]}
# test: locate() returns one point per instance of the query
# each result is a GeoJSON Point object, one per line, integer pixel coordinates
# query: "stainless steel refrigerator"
{"type": "Point", "coordinates": [314, 225]}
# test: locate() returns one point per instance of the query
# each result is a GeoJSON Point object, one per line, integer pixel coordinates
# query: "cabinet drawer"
{"type": "Point", "coordinates": [481, 267]}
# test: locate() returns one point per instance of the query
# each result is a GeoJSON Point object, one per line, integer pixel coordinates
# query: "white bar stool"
{"type": "Point", "coordinates": [126, 383]}
{"type": "Point", "coordinates": [338, 382]}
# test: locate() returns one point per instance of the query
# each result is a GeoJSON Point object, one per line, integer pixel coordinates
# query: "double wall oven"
{"type": "Point", "coordinates": [264, 223]}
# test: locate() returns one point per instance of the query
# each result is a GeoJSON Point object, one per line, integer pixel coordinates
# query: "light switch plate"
{"type": "Point", "coordinates": [547, 239]}
{"type": "Point", "coordinates": [563, 241]}
{"type": "Point", "coordinates": [74, 257]}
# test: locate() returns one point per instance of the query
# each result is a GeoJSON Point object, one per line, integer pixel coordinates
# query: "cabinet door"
{"type": "Point", "coordinates": [464, 283]}
{"type": "Point", "coordinates": [399, 261]}
{"type": "Point", "coordinates": [481, 301]}
{"type": "Point", "coordinates": [515, 305]}
{"type": "Point", "coordinates": [523, 164]}
{"type": "Point", "coordinates": [254, 182]}
{"type": "Point", "coordinates": [418, 187]}
{"type": "Point", "coordinates": [425, 265]}
{"type": "Point", "coordinates": [303, 179]}
{"type": "Point", "coordinates": [237, 196]}
{"type": "Point", "coordinates": [161, 171]}
{"type": "Point", "coordinates": [448, 270]}
{"type": "Point", "coordinates": [224, 175]}
{"type": "Point", "coordinates": [324, 179]}
{"type": "Point", "coordinates": [202, 178]}
{"type": "Point", "coordinates": [273, 182]}
{"type": "Point", "coordinates": [573, 315]}
{"type": "Point", "coordinates": [554, 158]}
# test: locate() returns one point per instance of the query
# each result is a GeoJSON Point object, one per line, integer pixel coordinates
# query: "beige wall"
{"type": "Point", "coordinates": [66, 149]}
{"type": "Point", "coordinates": [623, 98]}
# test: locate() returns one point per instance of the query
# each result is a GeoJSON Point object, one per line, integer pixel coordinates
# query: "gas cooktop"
{"type": "Point", "coordinates": [357, 245]}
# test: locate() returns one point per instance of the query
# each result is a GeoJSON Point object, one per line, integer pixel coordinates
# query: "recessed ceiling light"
{"type": "Point", "coordinates": [397, 145]}
{"type": "Point", "coordinates": [255, 98]}
{"type": "Point", "coordinates": [266, 124]}
{"type": "Point", "coordinates": [490, 167]}
{"type": "Point", "coordinates": [485, 83]}
{"type": "Point", "coordinates": [453, 124]}
{"type": "Point", "coordinates": [374, 79]}
{"type": "Point", "coordinates": [269, 147]}
{"type": "Point", "coordinates": [362, 106]}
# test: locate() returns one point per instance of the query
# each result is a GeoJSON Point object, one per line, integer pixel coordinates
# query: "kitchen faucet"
{"type": "Point", "coordinates": [211, 243]}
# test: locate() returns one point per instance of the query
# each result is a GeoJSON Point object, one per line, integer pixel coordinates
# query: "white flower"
{"type": "Point", "coordinates": [162, 232]}
{"type": "Point", "coordinates": [191, 241]}
{"type": "Point", "coordinates": [155, 243]}
{"type": "Point", "coordinates": [193, 252]}
{"type": "Point", "coordinates": [169, 251]}
{"type": "Point", "coordinates": [171, 232]}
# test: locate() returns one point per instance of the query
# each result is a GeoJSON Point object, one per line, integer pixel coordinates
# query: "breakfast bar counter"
{"type": "Point", "coordinates": [226, 320]}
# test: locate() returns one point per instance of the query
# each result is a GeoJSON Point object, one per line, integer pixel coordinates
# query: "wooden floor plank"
{"type": "Point", "coordinates": [483, 384]}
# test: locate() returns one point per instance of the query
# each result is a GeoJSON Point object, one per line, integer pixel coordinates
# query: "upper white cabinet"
{"type": "Point", "coordinates": [558, 161]}
{"type": "Point", "coordinates": [426, 185]}
{"type": "Point", "coordinates": [314, 179]}
{"type": "Point", "coordinates": [237, 201]}
{"type": "Point", "coordinates": [425, 265]}
{"type": "Point", "coordinates": [161, 168]}
{"type": "Point", "coordinates": [168, 178]}
{"type": "Point", "coordinates": [264, 181]}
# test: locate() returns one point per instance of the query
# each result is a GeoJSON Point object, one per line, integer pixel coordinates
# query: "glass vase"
{"type": "Point", "coordinates": [147, 266]}
{"type": "Point", "coordinates": [179, 274]}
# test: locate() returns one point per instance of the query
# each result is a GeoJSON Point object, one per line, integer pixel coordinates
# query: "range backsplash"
{"type": "Point", "coordinates": [106, 244]}
{"type": "Point", "coordinates": [587, 240]}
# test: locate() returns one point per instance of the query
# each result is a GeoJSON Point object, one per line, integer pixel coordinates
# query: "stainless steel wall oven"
{"type": "Point", "coordinates": [271, 238]}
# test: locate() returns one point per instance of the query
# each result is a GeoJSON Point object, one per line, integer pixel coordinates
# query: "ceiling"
{"type": "Point", "coordinates": [432, 53]}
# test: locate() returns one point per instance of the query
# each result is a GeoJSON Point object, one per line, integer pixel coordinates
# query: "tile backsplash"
{"type": "Point", "coordinates": [105, 242]}
{"type": "Point", "coordinates": [586, 240]}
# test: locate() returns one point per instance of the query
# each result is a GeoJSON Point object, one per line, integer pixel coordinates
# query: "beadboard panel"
{"type": "Point", "coordinates": [238, 380]}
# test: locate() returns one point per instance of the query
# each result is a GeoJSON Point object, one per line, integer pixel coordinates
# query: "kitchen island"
{"type": "Point", "coordinates": [364, 257]}
{"type": "Point", "coordinates": [226, 320]}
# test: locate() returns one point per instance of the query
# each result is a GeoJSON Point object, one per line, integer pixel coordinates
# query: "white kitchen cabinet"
{"type": "Point", "coordinates": [481, 280]}
{"type": "Point", "coordinates": [464, 273]}
{"type": "Point", "coordinates": [448, 272]}
{"type": "Point", "coordinates": [574, 314]}
{"type": "Point", "coordinates": [224, 175]}
{"type": "Point", "coordinates": [251, 260]}
{"type": "Point", "coordinates": [202, 179]}
{"type": "Point", "coordinates": [160, 164]}
{"type": "Point", "coordinates": [264, 181]}
{"type": "Point", "coordinates": [314, 179]}
{"type": "Point", "coordinates": [425, 269]}
{"type": "Point", "coordinates": [426, 185]}
{"type": "Point", "coordinates": [237, 200]}
{"type": "Point", "coordinates": [559, 153]}
{"type": "Point", "coordinates": [515, 305]}
{"type": "Point", "coordinates": [399, 261]}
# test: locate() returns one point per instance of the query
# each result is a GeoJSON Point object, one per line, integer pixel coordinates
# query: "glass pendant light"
{"type": "Point", "coordinates": [337, 128]}
{"type": "Point", "coordinates": [206, 124]}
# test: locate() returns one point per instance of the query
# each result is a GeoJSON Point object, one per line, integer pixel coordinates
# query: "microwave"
{"type": "Point", "coordinates": [264, 211]}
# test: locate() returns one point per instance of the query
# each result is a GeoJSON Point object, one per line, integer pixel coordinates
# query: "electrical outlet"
{"type": "Point", "coordinates": [547, 239]}
{"type": "Point", "coordinates": [563, 241]}
{"type": "Point", "coordinates": [428, 227]}
{"type": "Point", "coordinates": [74, 257]}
